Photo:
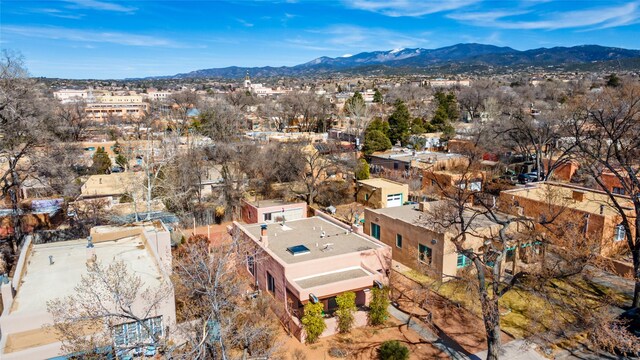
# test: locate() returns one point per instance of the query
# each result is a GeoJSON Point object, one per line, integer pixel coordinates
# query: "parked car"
{"type": "Point", "coordinates": [526, 178]}
{"type": "Point", "coordinates": [117, 169]}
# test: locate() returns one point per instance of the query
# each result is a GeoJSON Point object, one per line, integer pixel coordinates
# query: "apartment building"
{"type": "Point", "coordinates": [590, 209]}
{"type": "Point", "coordinates": [45, 272]}
{"type": "Point", "coordinates": [314, 259]}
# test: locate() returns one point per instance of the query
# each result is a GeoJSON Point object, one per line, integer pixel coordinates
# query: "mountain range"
{"type": "Point", "coordinates": [460, 58]}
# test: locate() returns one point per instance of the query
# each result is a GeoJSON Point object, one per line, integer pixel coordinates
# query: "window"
{"type": "Point", "coordinates": [618, 190]}
{"type": "Point", "coordinates": [140, 332]}
{"type": "Point", "coordinates": [395, 165]}
{"type": "Point", "coordinates": [424, 254]}
{"type": "Point", "coordinates": [267, 217]}
{"type": "Point", "coordinates": [271, 283]}
{"type": "Point", "coordinates": [375, 231]}
{"type": "Point", "coordinates": [463, 261]}
{"type": "Point", "coordinates": [366, 197]}
{"type": "Point", "coordinates": [399, 241]}
{"type": "Point", "coordinates": [251, 265]}
{"type": "Point", "coordinates": [620, 233]}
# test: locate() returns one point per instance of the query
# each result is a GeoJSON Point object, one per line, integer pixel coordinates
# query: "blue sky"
{"type": "Point", "coordinates": [118, 39]}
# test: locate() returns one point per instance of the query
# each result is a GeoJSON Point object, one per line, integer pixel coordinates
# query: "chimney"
{"type": "Point", "coordinates": [91, 251]}
{"type": "Point", "coordinates": [578, 195]}
{"type": "Point", "coordinates": [264, 239]}
{"type": "Point", "coordinates": [51, 260]}
{"type": "Point", "coordinates": [423, 206]}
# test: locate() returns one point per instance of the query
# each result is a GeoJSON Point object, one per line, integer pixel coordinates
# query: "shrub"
{"type": "Point", "coordinates": [313, 322]}
{"type": "Point", "coordinates": [346, 307]}
{"type": "Point", "coordinates": [362, 171]}
{"type": "Point", "coordinates": [378, 313]}
{"type": "Point", "coordinates": [393, 350]}
{"type": "Point", "coordinates": [337, 352]}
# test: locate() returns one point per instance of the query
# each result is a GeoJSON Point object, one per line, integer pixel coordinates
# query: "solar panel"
{"type": "Point", "coordinates": [298, 250]}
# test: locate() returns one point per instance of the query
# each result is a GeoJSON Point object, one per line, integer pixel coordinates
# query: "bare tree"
{"type": "Point", "coordinates": [72, 120]}
{"type": "Point", "coordinates": [605, 130]}
{"type": "Point", "coordinates": [212, 291]}
{"type": "Point", "coordinates": [23, 127]}
{"type": "Point", "coordinates": [220, 120]}
{"type": "Point", "coordinates": [106, 297]}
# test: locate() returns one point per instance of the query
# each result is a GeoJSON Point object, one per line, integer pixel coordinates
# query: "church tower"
{"type": "Point", "coordinates": [247, 81]}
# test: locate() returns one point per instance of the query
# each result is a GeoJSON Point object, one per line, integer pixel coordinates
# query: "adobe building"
{"type": "Point", "coordinates": [592, 208]}
{"type": "Point", "coordinates": [45, 272]}
{"type": "Point", "coordinates": [313, 259]}
{"type": "Point", "coordinates": [416, 243]}
{"type": "Point", "coordinates": [381, 193]}
{"type": "Point", "coordinates": [406, 163]}
{"type": "Point", "coordinates": [421, 245]}
{"type": "Point", "coordinates": [269, 211]}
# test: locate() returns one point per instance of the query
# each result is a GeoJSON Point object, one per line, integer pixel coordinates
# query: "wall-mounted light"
{"type": "Point", "coordinates": [313, 299]}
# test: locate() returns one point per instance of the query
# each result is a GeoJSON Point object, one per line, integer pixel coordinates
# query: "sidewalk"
{"type": "Point", "coordinates": [515, 350]}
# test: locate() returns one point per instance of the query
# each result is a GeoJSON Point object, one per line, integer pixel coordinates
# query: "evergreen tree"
{"type": "Point", "coordinates": [380, 125]}
{"type": "Point", "coordinates": [613, 80]}
{"type": "Point", "coordinates": [362, 171]}
{"type": "Point", "coordinates": [377, 97]}
{"type": "Point", "coordinates": [101, 162]}
{"type": "Point", "coordinates": [399, 124]}
{"type": "Point", "coordinates": [375, 140]}
{"type": "Point", "coordinates": [417, 126]}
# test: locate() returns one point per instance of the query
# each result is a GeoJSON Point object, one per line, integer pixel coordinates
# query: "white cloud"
{"type": "Point", "coordinates": [120, 38]}
{"type": "Point", "coordinates": [398, 8]}
{"type": "Point", "coordinates": [596, 17]}
{"type": "Point", "coordinates": [101, 5]}
{"type": "Point", "coordinates": [350, 37]}
{"type": "Point", "coordinates": [244, 22]}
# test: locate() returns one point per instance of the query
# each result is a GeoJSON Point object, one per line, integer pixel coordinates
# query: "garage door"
{"type": "Point", "coordinates": [394, 200]}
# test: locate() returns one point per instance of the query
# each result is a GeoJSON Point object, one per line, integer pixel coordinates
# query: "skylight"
{"type": "Point", "coordinates": [298, 250]}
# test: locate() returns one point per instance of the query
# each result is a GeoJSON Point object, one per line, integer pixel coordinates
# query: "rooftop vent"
{"type": "Point", "coordinates": [298, 250]}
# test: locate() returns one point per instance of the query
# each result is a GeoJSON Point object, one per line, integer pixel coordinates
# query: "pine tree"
{"type": "Point", "coordinates": [377, 97]}
{"type": "Point", "coordinates": [399, 124]}
{"type": "Point", "coordinates": [101, 162]}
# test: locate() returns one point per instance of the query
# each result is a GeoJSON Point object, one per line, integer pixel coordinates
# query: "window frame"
{"type": "Point", "coordinates": [373, 233]}
{"type": "Point", "coordinates": [426, 253]}
{"type": "Point", "coordinates": [399, 243]}
{"type": "Point", "coordinates": [464, 263]}
{"type": "Point", "coordinates": [619, 233]}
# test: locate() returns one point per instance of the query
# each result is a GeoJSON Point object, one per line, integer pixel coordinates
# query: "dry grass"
{"type": "Point", "coordinates": [525, 313]}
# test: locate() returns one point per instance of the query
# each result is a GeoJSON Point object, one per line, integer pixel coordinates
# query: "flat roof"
{"type": "Point", "coordinates": [43, 282]}
{"type": "Point", "coordinates": [332, 277]}
{"type": "Point", "coordinates": [112, 184]}
{"type": "Point", "coordinates": [562, 195]}
{"type": "Point", "coordinates": [420, 156]}
{"type": "Point", "coordinates": [271, 203]}
{"type": "Point", "coordinates": [411, 214]}
{"type": "Point", "coordinates": [380, 183]}
{"type": "Point", "coordinates": [337, 241]}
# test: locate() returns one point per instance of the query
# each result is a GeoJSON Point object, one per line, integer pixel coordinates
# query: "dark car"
{"type": "Point", "coordinates": [526, 178]}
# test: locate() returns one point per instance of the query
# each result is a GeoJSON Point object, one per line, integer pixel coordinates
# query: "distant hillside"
{"type": "Point", "coordinates": [451, 59]}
